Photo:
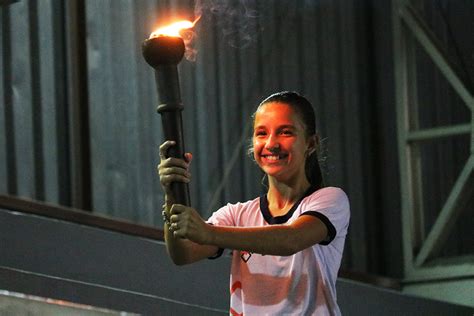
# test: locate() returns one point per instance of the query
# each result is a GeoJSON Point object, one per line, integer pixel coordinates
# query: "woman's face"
{"type": "Point", "coordinates": [279, 142]}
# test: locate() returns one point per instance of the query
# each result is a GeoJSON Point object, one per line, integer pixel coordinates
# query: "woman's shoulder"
{"type": "Point", "coordinates": [229, 214]}
{"type": "Point", "coordinates": [243, 205]}
{"type": "Point", "coordinates": [331, 193]}
{"type": "Point", "coordinates": [330, 190]}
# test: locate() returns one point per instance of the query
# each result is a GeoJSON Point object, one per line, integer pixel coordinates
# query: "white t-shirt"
{"type": "Point", "coordinates": [301, 284]}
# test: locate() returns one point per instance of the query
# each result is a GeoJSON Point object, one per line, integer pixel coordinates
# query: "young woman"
{"type": "Point", "coordinates": [287, 245]}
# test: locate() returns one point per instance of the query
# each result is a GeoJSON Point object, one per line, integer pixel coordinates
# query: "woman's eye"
{"type": "Point", "coordinates": [260, 133]}
{"type": "Point", "coordinates": [287, 132]}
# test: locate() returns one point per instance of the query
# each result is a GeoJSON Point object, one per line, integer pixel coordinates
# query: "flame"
{"type": "Point", "coordinates": [174, 29]}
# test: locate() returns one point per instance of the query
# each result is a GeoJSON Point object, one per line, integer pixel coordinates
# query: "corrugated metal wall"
{"type": "Point", "coordinates": [337, 53]}
{"type": "Point", "coordinates": [321, 49]}
{"type": "Point", "coordinates": [34, 155]}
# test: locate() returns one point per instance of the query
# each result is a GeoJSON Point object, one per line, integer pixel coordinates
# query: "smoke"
{"type": "Point", "coordinates": [239, 22]}
{"type": "Point", "coordinates": [188, 38]}
{"type": "Point", "coordinates": [236, 20]}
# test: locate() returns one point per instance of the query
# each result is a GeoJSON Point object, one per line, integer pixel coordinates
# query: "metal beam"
{"type": "Point", "coordinates": [472, 133]}
{"type": "Point", "coordinates": [449, 213]}
{"type": "Point", "coordinates": [441, 272]}
{"type": "Point", "coordinates": [414, 152]}
{"type": "Point", "coordinates": [401, 101]}
{"type": "Point", "coordinates": [81, 187]}
{"type": "Point", "coordinates": [429, 43]}
{"type": "Point", "coordinates": [438, 132]}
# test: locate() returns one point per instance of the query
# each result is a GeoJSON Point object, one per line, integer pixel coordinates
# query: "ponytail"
{"type": "Point", "coordinates": [313, 171]}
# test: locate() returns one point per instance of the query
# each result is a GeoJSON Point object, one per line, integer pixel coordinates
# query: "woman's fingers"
{"type": "Point", "coordinates": [187, 223]}
{"type": "Point", "coordinates": [167, 180]}
{"type": "Point", "coordinates": [173, 169]}
{"type": "Point", "coordinates": [177, 209]}
{"type": "Point", "coordinates": [173, 162]}
{"type": "Point", "coordinates": [164, 148]}
{"type": "Point", "coordinates": [164, 152]}
{"type": "Point", "coordinates": [174, 174]}
{"type": "Point", "coordinates": [178, 221]}
{"type": "Point", "coordinates": [165, 171]}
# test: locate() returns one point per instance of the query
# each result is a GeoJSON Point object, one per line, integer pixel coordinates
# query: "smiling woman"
{"type": "Point", "coordinates": [287, 245]}
{"type": "Point", "coordinates": [280, 143]}
{"type": "Point", "coordinates": [294, 116]}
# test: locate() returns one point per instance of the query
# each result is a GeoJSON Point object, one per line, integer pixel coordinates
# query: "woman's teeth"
{"type": "Point", "coordinates": [274, 157]}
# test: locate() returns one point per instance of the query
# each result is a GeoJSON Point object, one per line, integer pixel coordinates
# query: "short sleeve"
{"type": "Point", "coordinates": [331, 206]}
{"type": "Point", "coordinates": [223, 216]}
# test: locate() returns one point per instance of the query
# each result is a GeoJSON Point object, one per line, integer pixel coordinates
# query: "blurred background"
{"type": "Point", "coordinates": [391, 82]}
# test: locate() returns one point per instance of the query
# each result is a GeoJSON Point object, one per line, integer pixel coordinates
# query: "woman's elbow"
{"type": "Point", "coordinates": [179, 259]}
{"type": "Point", "coordinates": [288, 249]}
{"type": "Point", "coordinates": [293, 247]}
{"type": "Point", "coordinates": [180, 262]}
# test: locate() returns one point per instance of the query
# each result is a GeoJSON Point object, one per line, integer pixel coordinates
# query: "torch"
{"type": "Point", "coordinates": [163, 51]}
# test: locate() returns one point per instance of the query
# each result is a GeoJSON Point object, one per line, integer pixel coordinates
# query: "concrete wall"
{"type": "Point", "coordinates": [458, 291]}
{"type": "Point", "coordinates": [63, 260]}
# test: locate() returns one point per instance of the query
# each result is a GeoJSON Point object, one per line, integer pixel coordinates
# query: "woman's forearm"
{"type": "Point", "coordinates": [184, 251]}
{"type": "Point", "coordinates": [282, 240]}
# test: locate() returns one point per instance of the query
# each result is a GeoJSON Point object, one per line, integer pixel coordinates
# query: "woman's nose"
{"type": "Point", "coordinates": [272, 143]}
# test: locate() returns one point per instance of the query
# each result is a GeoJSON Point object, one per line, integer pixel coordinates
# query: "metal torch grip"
{"type": "Point", "coordinates": [173, 130]}
{"type": "Point", "coordinates": [170, 107]}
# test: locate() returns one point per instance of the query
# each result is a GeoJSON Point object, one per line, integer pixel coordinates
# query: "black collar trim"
{"type": "Point", "coordinates": [270, 219]}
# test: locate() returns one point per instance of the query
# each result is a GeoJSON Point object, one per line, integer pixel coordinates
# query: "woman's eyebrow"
{"type": "Point", "coordinates": [286, 126]}
{"type": "Point", "coordinates": [279, 127]}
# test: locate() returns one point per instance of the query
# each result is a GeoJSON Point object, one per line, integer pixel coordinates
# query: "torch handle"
{"type": "Point", "coordinates": [173, 130]}
{"type": "Point", "coordinates": [170, 108]}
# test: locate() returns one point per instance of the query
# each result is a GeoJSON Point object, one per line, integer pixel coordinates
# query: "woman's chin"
{"type": "Point", "coordinates": [277, 173]}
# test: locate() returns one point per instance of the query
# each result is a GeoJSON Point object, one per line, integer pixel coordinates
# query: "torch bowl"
{"type": "Point", "coordinates": [163, 50]}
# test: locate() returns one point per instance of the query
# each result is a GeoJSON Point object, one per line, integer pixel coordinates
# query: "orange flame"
{"type": "Point", "coordinates": [174, 29]}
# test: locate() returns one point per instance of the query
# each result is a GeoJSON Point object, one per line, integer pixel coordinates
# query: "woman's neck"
{"type": "Point", "coordinates": [282, 196]}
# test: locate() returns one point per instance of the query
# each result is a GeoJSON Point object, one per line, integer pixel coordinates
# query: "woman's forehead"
{"type": "Point", "coordinates": [276, 113]}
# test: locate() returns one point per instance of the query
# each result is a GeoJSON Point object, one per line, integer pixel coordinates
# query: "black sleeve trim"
{"type": "Point", "coordinates": [217, 255]}
{"type": "Point", "coordinates": [331, 229]}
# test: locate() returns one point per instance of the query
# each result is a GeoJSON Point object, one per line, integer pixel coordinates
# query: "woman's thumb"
{"type": "Point", "coordinates": [188, 157]}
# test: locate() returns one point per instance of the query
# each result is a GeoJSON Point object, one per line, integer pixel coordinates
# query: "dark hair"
{"type": "Point", "coordinates": [305, 111]}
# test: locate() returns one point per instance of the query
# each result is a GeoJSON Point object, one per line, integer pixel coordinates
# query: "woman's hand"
{"type": "Point", "coordinates": [186, 223]}
{"type": "Point", "coordinates": [173, 169]}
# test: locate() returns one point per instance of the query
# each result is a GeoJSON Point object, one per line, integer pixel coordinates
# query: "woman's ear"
{"type": "Point", "coordinates": [313, 144]}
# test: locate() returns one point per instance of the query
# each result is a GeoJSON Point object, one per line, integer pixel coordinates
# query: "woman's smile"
{"type": "Point", "coordinates": [271, 158]}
